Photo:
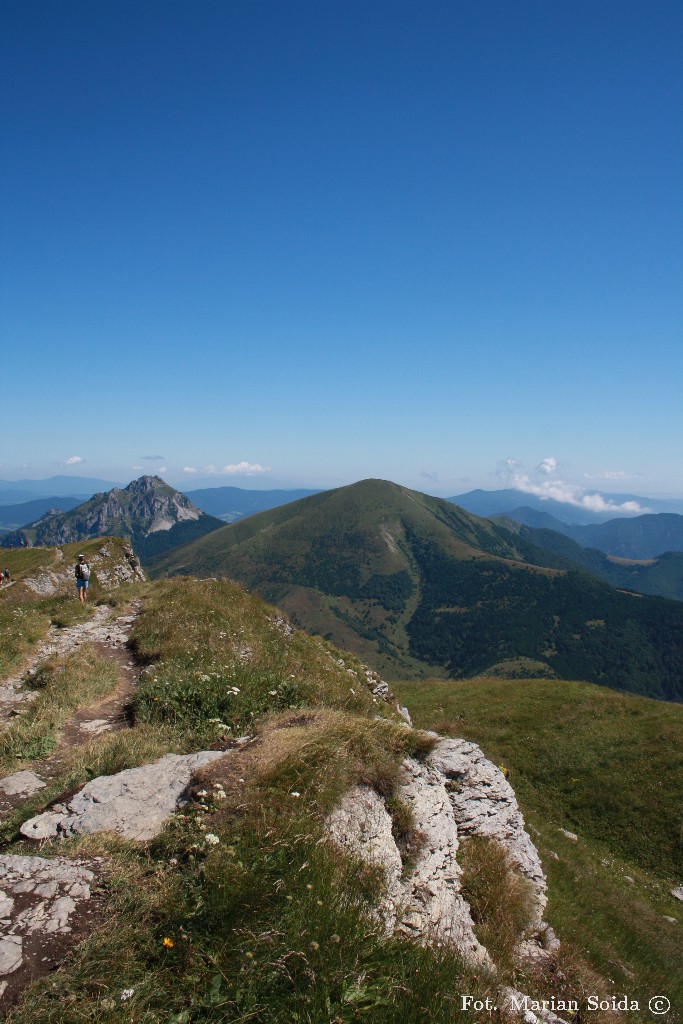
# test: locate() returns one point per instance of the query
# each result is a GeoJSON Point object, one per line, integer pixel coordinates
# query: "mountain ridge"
{"type": "Point", "coordinates": [417, 586]}
{"type": "Point", "coordinates": [502, 501]}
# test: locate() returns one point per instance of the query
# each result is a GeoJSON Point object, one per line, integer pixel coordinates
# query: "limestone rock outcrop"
{"type": "Point", "coordinates": [457, 792]}
{"type": "Point", "coordinates": [484, 804]}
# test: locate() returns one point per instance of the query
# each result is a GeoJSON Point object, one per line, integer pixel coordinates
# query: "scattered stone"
{"type": "Point", "coordinates": [10, 953]}
{"type": "Point", "coordinates": [677, 893]}
{"type": "Point", "coordinates": [671, 920]}
{"type": "Point", "coordinates": [568, 835]}
{"type": "Point", "coordinates": [285, 627]}
{"type": "Point", "coordinates": [96, 726]}
{"type": "Point", "coordinates": [41, 903]}
{"type": "Point", "coordinates": [134, 803]}
{"type": "Point", "coordinates": [24, 783]}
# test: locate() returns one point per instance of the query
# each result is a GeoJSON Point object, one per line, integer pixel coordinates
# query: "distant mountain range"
{"type": "Point", "coordinates": [505, 501]}
{"type": "Point", "coordinates": [661, 576]}
{"type": "Point", "coordinates": [639, 537]}
{"type": "Point", "coordinates": [14, 491]}
{"type": "Point", "coordinates": [14, 516]}
{"type": "Point", "coordinates": [231, 503]}
{"type": "Point", "coordinates": [152, 514]}
{"type": "Point", "coordinates": [418, 586]}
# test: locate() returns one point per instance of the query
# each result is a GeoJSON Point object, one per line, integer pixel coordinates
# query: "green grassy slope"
{"type": "Point", "coordinates": [241, 911]}
{"type": "Point", "coordinates": [608, 767]}
{"type": "Point", "coordinates": [416, 585]}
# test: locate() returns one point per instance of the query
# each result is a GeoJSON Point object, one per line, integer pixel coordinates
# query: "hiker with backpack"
{"type": "Point", "coordinates": [82, 574]}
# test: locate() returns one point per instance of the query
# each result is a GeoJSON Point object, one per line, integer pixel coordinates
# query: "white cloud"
{"type": "Point", "coordinates": [556, 489]}
{"type": "Point", "coordinates": [152, 458]}
{"type": "Point", "coordinates": [548, 465]}
{"type": "Point", "coordinates": [73, 461]}
{"type": "Point", "coordinates": [189, 469]}
{"type": "Point", "coordinates": [136, 467]}
{"type": "Point", "coordinates": [237, 469]}
{"type": "Point", "coordinates": [162, 469]}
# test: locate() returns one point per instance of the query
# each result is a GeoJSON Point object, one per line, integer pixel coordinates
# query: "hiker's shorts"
{"type": "Point", "coordinates": [80, 584]}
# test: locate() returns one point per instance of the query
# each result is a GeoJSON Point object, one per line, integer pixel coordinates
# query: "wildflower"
{"type": "Point", "coordinates": [220, 795]}
{"type": "Point", "coordinates": [335, 939]}
{"type": "Point", "coordinates": [126, 994]}
{"type": "Point", "coordinates": [201, 792]}
{"type": "Point", "coordinates": [272, 693]}
{"type": "Point", "coordinates": [294, 793]}
{"type": "Point", "coordinates": [315, 946]}
{"type": "Point", "coordinates": [211, 839]}
{"type": "Point", "coordinates": [168, 943]}
{"type": "Point", "coordinates": [309, 887]}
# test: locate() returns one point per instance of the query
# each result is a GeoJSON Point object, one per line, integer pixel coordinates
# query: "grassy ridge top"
{"type": "Point", "coordinates": [339, 520]}
{"type": "Point", "coordinates": [241, 910]}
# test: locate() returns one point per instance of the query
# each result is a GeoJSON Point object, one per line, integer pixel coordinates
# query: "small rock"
{"type": "Point", "coordinates": [677, 893]}
{"type": "Point", "coordinates": [10, 953]}
{"type": "Point", "coordinates": [21, 784]}
{"type": "Point", "coordinates": [671, 920]}
{"type": "Point", "coordinates": [569, 835]}
{"type": "Point", "coordinates": [96, 726]}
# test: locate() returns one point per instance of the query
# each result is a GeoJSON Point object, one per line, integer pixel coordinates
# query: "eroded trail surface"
{"type": "Point", "coordinates": [48, 905]}
{"type": "Point", "coordinates": [110, 634]}
{"type": "Point", "coordinates": [110, 637]}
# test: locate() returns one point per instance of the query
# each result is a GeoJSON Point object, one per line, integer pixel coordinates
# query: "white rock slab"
{"type": "Point", "coordinates": [96, 726]}
{"type": "Point", "coordinates": [134, 803]}
{"type": "Point", "coordinates": [21, 784]}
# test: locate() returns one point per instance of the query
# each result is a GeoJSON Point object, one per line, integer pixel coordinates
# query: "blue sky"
{"type": "Point", "coordinates": [303, 243]}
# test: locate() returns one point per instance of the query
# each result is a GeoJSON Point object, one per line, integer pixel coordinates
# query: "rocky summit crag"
{"type": "Point", "coordinates": [153, 515]}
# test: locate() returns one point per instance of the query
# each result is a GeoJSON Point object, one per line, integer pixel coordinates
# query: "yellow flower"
{"type": "Point", "coordinates": [168, 943]}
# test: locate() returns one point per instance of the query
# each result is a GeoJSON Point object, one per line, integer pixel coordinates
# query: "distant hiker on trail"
{"type": "Point", "coordinates": [6, 578]}
{"type": "Point", "coordinates": [82, 573]}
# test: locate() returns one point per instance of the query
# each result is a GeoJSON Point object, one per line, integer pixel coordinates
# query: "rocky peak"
{"type": "Point", "coordinates": [145, 484]}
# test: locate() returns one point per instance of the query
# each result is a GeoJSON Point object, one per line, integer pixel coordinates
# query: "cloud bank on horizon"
{"type": "Point", "coordinates": [547, 483]}
{"type": "Point", "coordinates": [232, 469]}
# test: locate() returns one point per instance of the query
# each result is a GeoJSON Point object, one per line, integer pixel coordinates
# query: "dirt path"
{"type": "Point", "coordinates": [47, 906]}
{"type": "Point", "coordinates": [110, 637]}
{"type": "Point", "coordinates": [109, 634]}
